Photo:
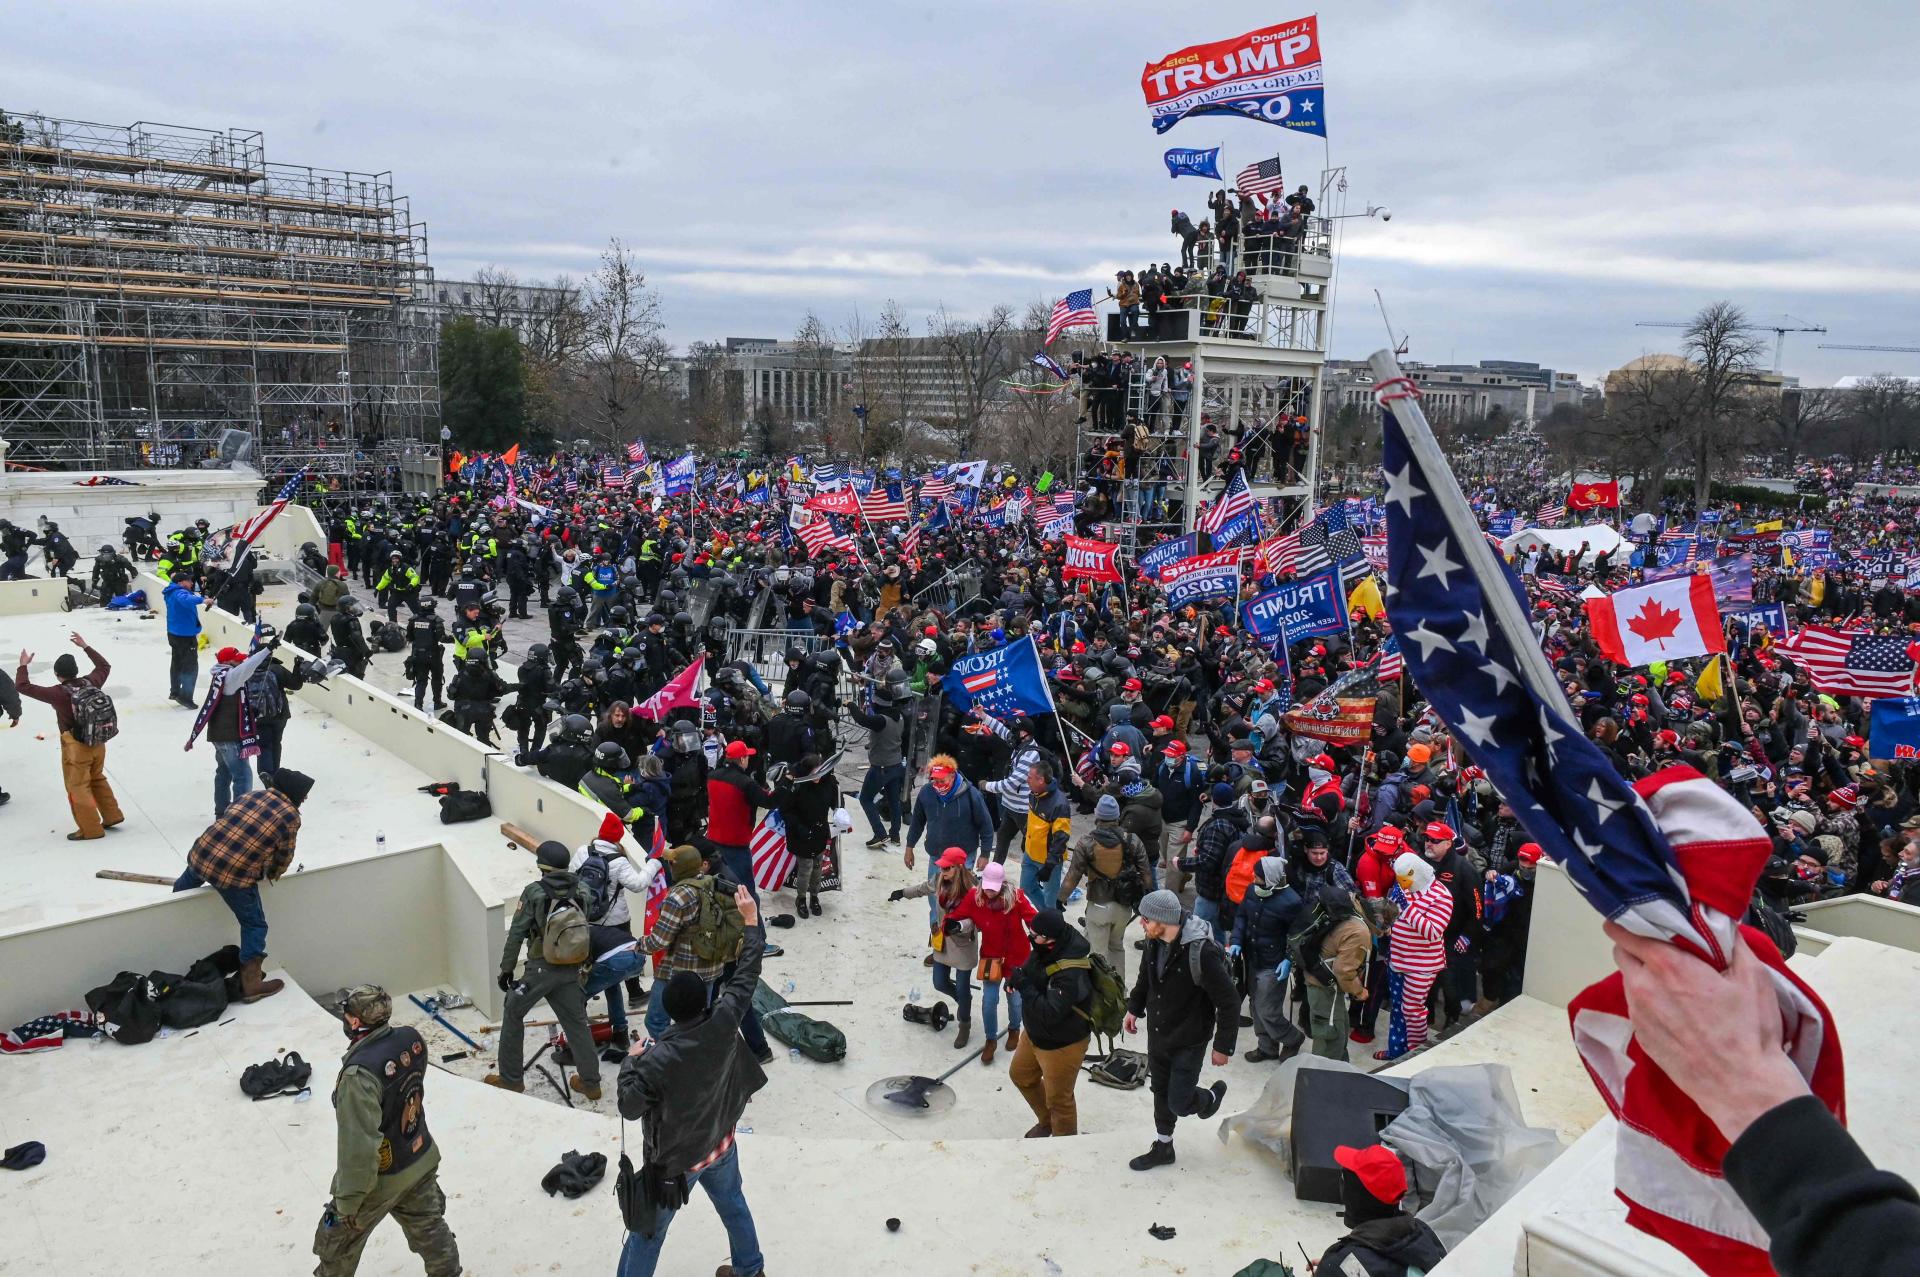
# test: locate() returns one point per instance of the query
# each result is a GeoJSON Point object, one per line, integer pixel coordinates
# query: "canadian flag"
{"type": "Point", "coordinates": [1664, 621]}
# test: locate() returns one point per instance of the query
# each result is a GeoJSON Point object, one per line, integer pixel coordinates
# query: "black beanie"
{"type": "Point", "coordinates": [685, 998]}
{"type": "Point", "coordinates": [552, 855]}
{"type": "Point", "coordinates": [65, 668]}
{"type": "Point", "coordinates": [1052, 924]}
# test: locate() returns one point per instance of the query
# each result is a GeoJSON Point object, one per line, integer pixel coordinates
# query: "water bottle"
{"type": "Point", "coordinates": [793, 1054]}
{"type": "Point", "coordinates": [915, 995]}
{"type": "Point", "coordinates": [380, 843]}
{"type": "Point", "coordinates": [788, 987]}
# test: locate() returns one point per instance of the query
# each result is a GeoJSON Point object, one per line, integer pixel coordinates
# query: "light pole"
{"type": "Point", "coordinates": [345, 377]}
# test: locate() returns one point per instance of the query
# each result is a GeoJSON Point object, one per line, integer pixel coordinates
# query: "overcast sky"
{"type": "Point", "coordinates": [1555, 172]}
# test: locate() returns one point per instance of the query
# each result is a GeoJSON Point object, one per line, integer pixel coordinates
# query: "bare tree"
{"type": "Point", "coordinates": [496, 297]}
{"type": "Point", "coordinates": [817, 359]}
{"type": "Point", "coordinates": [901, 406]}
{"type": "Point", "coordinates": [1885, 412]}
{"type": "Point", "coordinates": [1035, 428]}
{"type": "Point", "coordinates": [1726, 352]}
{"type": "Point", "coordinates": [1802, 412]}
{"type": "Point", "coordinates": [974, 356]}
{"type": "Point", "coordinates": [1649, 412]}
{"type": "Point", "coordinates": [623, 340]}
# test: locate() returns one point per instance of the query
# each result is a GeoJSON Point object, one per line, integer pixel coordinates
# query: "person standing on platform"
{"type": "Point", "coordinates": [183, 636]}
{"type": "Point", "coordinates": [561, 983]}
{"type": "Point", "coordinates": [1186, 991]}
{"type": "Point", "coordinates": [251, 842]}
{"type": "Point", "coordinates": [83, 747]}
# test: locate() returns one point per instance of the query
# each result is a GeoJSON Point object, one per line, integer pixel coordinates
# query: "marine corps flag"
{"type": "Point", "coordinates": [1595, 496]}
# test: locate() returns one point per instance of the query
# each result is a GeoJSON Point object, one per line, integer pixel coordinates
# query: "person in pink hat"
{"type": "Point", "coordinates": [999, 911]}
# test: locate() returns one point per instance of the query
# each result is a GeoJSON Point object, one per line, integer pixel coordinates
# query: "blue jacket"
{"type": "Point", "coordinates": [183, 609]}
{"type": "Point", "coordinates": [958, 820]}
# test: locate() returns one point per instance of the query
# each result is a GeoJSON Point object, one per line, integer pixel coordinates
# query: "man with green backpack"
{"type": "Point", "coordinates": [1068, 993]}
{"type": "Point", "coordinates": [550, 922]}
{"type": "Point", "coordinates": [700, 929]}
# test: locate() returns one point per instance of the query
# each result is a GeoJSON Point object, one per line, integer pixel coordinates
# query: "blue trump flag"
{"type": "Point", "coordinates": [1771, 617]}
{"type": "Point", "coordinates": [1183, 161]}
{"type": "Point", "coordinates": [1003, 681]}
{"type": "Point", "coordinates": [679, 476]}
{"type": "Point", "coordinates": [1894, 730]}
{"type": "Point", "coordinates": [1172, 550]}
{"type": "Point", "coordinates": [1300, 609]}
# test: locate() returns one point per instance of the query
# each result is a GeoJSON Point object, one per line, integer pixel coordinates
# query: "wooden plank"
{"type": "Point", "coordinates": [134, 163]}
{"type": "Point", "coordinates": [102, 214]}
{"type": "Point", "coordinates": [518, 835]}
{"type": "Point", "coordinates": [121, 875]}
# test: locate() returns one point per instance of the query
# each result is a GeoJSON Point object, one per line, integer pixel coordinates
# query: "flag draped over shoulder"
{"type": "Point", "coordinates": [1674, 857]}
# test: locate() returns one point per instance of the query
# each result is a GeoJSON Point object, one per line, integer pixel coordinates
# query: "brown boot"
{"type": "Point", "coordinates": [960, 1038]}
{"type": "Point", "coordinates": [494, 1079]}
{"type": "Point", "coordinates": [591, 1091]}
{"type": "Point", "coordinates": [986, 1055]}
{"type": "Point", "coordinates": [254, 986]}
{"type": "Point", "coordinates": [1013, 1039]}
{"type": "Point", "coordinates": [1040, 1131]}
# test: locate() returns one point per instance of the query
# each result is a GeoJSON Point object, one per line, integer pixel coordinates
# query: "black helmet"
{"type": "Point", "coordinates": [683, 618]}
{"type": "Point", "coordinates": [307, 612]}
{"type": "Point", "coordinates": [538, 652]}
{"type": "Point", "coordinates": [567, 596]}
{"type": "Point", "coordinates": [797, 699]}
{"type": "Point", "coordinates": [268, 634]}
{"type": "Point", "coordinates": [429, 605]}
{"type": "Point", "coordinates": [654, 618]}
{"type": "Point", "coordinates": [618, 615]}
{"type": "Point", "coordinates": [575, 725]}
{"type": "Point", "coordinates": [609, 755]}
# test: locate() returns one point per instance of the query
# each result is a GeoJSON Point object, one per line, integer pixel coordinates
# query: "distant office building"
{"type": "Point", "coordinates": [1462, 392]}
{"type": "Point", "coordinates": [804, 384]}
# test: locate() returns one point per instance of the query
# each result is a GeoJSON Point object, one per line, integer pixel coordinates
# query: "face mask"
{"type": "Point", "coordinates": [1318, 776]}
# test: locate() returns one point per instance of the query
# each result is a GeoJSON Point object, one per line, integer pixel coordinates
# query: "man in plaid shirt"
{"type": "Point", "coordinates": [252, 840]}
{"type": "Point", "coordinates": [672, 933]}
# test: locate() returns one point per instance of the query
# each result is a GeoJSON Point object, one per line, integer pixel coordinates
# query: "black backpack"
{"type": "Point", "coordinates": [1325, 909]}
{"type": "Point", "coordinates": [271, 1079]}
{"type": "Point", "coordinates": [464, 804]}
{"type": "Point", "coordinates": [264, 697]}
{"type": "Point", "coordinates": [95, 720]}
{"type": "Point", "coordinates": [596, 886]}
{"type": "Point", "coordinates": [124, 1009]}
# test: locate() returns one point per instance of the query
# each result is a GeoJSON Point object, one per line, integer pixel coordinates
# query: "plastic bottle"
{"type": "Point", "coordinates": [793, 1053]}
{"type": "Point", "coordinates": [788, 987]}
{"type": "Point", "coordinates": [914, 996]}
{"type": "Point", "coordinates": [380, 842]}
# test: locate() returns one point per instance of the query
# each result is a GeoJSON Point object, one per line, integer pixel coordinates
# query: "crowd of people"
{"type": "Point", "coordinates": [1328, 892]}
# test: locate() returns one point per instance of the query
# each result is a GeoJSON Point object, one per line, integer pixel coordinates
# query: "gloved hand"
{"type": "Point", "coordinates": [1233, 951]}
{"type": "Point", "coordinates": [1286, 965]}
{"type": "Point", "coordinates": [520, 760]}
{"type": "Point", "coordinates": [506, 981]}
{"type": "Point", "coordinates": [1461, 945]}
{"type": "Point", "coordinates": [896, 895]}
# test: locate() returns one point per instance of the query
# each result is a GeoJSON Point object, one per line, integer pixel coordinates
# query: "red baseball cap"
{"type": "Point", "coordinates": [1378, 1169]}
{"type": "Point", "coordinates": [1387, 836]}
{"type": "Point", "coordinates": [1164, 721]}
{"type": "Point", "coordinates": [932, 631]}
{"type": "Point", "coordinates": [1440, 831]}
{"type": "Point", "coordinates": [1133, 685]}
{"type": "Point", "coordinates": [1530, 853]}
{"type": "Point", "coordinates": [1176, 749]}
{"type": "Point", "coordinates": [950, 857]}
{"type": "Point", "coordinates": [1263, 685]}
{"type": "Point", "coordinates": [740, 749]}
{"type": "Point", "coordinates": [1122, 748]}
{"type": "Point", "coordinates": [1323, 761]}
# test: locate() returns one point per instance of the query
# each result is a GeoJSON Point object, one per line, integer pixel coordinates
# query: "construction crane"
{"type": "Point", "coordinates": [1903, 350]}
{"type": "Point", "coordinates": [1779, 331]}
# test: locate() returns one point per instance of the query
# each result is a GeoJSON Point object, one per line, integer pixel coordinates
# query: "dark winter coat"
{"type": "Point", "coordinates": [1179, 1011]}
{"type": "Point", "coordinates": [1053, 1005]}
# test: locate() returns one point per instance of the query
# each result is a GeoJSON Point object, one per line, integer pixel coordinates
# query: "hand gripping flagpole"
{"type": "Point", "coordinates": [1395, 392]}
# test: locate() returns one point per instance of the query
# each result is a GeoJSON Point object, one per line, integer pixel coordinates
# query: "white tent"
{"type": "Point", "coordinates": [1597, 537]}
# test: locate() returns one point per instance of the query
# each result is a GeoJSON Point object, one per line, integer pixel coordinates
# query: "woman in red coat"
{"type": "Point", "coordinates": [999, 911]}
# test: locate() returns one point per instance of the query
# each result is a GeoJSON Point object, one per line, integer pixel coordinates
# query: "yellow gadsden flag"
{"type": "Point", "coordinates": [1367, 595]}
{"type": "Point", "coordinates": [1772, 525]}
{"type": "Point", "coordinates": [1708, 684]}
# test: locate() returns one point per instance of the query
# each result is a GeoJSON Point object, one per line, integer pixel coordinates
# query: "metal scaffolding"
{"type": "Point", "coordinates": [161, 286]}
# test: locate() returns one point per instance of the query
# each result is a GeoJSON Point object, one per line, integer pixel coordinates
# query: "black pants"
{"type": "Point", "coordinates": [431, 670]}
{"type": "Point", "coordinates": [534, 730]}
{"type": "Point", "coordinates": [183, 669]}
{"type": "Point", "coordinates": [1175, 1078]}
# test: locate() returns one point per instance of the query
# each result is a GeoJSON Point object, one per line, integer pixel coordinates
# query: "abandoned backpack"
{"type": "Point", "coordinates": [124, 1009]}
{"type": "Point", "coordinates": [271, 1079]}
{"type": "Point", "coordinates": [715, 932]}
{"type": "Point", "coordinates": [464, 804]}
{"type": "Point", "coordinates": [564, 939]}
{"type": "Point", "coordinates": [1122, 1070]}
{"type": "Point", "coordinates": [95, 720]}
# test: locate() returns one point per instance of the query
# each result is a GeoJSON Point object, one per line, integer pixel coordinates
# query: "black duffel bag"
{"type": "Point", "coordinates": [125, 1009]}
{"type": "Point", "coordinates": [189, 1001]}
{"type": "Point", "coordinates": [464, 804]}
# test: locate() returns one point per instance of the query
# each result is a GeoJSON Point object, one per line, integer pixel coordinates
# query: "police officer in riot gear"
{"type": "Point", "coordinates": [564, 623]}
{"type": "Point", "coordinates": [530, 714]}
{"type": "Point", "coordinates": [305, 631]}
{"type": "Point", "coordinates": [569, 755]}
{"type": "Point", "coordinates": [426, 641]}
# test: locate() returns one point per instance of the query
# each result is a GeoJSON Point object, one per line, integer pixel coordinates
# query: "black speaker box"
{"type": "Point", "coordinates": [1330, 1109]}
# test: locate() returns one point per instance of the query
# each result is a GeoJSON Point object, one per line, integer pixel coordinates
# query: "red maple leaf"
{"type": "Point", "coordinates": [1654, 622]}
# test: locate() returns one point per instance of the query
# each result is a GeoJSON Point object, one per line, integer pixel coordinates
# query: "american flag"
{"type": "Point", "coordinates": [1260, 180]}
{"type": "Point", "coordinates": [772, 862]}
{"type": "Point", "coordinates": [47, 1032]}
{"type": "Point", "coordinates": [1853, 663]}
{"type": "Point", "coordinates": [1550, 514]}
{"type": "Point", "coordinates": [1462, 623]}
{"type": "Point", "coordinates": [612, 476]}
{"type": "Point", "coordinates": [910, 543]}
{"type": "Point", "coordinates": [637, 453]}
{"type": "Point", "coordinates": [1075, 310]}
{"type": "Point", "coordinates": [884, 503]}
{"type": "Point", "coordinates": [819, 535]}
{"type": "Point", "coordinates": [1054, 506]}
{"type": "Point", "coordinates": [1675, 533]}
{"type": "Point", "coordinates": [1278, 555]}
{"type": "Point", "coordinates": [1237, 499]}
{"type": "Point", "coordinates": [935, 488]}
{"type": "Point", "coordinates": [571, 484]}
{"type": "Point", "coordinates": [829, 475]}
{"type": "Point", "coordinates": [257, 523]}
{"type": "Point", "coordinates": [1392, 664]}
{"type": "Point", "coordinates": [1331, 529]}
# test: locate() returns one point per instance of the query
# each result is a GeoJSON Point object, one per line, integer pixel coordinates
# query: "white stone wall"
{"type": "Point", "coordinates": [92, 515]}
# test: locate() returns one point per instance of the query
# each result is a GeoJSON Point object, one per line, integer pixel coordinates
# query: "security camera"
{"type": "Point", "coordinates": [1386, 214]}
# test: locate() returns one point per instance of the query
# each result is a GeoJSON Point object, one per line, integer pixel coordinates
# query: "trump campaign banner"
{"type": "Point", "coordinates": [1301, 609]}
{"type": "Point", "coordinates": [1172, 550]}
{"type": "Point", "coordinates": [1205, 576]}
{"type": "Point", "coordinates": [1240, 529]}
{"type": "Point", "coordinates": [1771, 617]}
{"type": "Point", "coordinates": [1894, 730]}
{"type": "Point", "coordinates": [1193, 162]}
{"type": "Point", "coordinates": [1004, 681]}
{"type": "Point", "coordinates": [1094, 560]}
{"type": "Point", "coordinates": [1271, 75]}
